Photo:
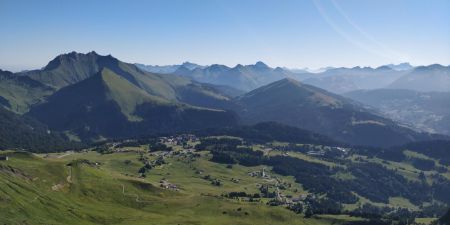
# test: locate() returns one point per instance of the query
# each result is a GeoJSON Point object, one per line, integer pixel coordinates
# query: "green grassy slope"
{"type": "Point", "coordinates": [127, 95]}
{"type": "Point", "coordinates": [36, 190]}
{"type": "Point", "coordinates": [72, 68]}
{"type": "Point", "coordinates": [91, 188]}
{"type": "Point", "coordinates": [19, 93]}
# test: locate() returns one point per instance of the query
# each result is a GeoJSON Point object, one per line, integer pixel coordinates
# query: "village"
{"type": "Point", "coordinates": [181, 164]}
{"type": "Point", "coordinates": [161, 151]}
{"type": "Point", "coordinates": [270, 186]}
{"type": "Point", "coordinates": [274, 182]}
{"type": "Point", "coordinates": [183, 146]}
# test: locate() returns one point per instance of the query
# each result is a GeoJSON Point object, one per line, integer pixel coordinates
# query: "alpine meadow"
{"type": "Point", "coordinates": [225, 112]}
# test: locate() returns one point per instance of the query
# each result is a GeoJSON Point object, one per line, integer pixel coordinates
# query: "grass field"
{"type": "Point", "coordinates": [90, 188]}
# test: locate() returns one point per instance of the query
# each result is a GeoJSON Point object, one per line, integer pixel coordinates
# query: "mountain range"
{"type": "Point", "coordinates": [402, 76]}
{"type": "Point", "coordinates": [108, 105]}
{"type": "Point", "coordinates": [168, 68]}
{"type": "Point", "coordinates": [336, 80]}
{"type": "Point", "coordinates": [93, 97]}
{"type": "Point", "coordinates": [301, 105]}
{"type": "Point", "coordinates": [425, 78]}
{"type": "Point", "coordinates": [243, 77]}
{"type": "Point", "coordinates": [341, 80]}
{"type": "Point", "coordinates": [400, 66]}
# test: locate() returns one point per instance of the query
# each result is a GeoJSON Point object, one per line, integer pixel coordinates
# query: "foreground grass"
{"type": "Point", "coordinates": [106, 190]}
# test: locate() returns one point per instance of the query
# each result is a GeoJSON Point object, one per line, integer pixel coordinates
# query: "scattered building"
{"type": "Point", "coordinates": [316, 153]}
{"type": "Point", "coordinates": [259, 173]}
{"type": "Point", "coordinates": [234, 180]}
{"type": "Point", "coordinates": [167, 185]}
{"type": "Point", "coordinates": [181, 139]}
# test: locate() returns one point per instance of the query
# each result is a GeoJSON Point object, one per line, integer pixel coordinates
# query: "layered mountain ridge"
{"type": "Point", "coordinates": [301, 105]}
{"type": "Point", "coordinates": [111, 106]}
{"type": "Point", "coordinates": [92, 97]}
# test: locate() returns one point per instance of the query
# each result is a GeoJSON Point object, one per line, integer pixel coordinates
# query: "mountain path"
{"type": "Point", "coordinates": [136, 196]}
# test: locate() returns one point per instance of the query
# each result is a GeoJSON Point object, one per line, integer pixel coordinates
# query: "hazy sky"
{"type": "Point", "coordinates": [302, 33]}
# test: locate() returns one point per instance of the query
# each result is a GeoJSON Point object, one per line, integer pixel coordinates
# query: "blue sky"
{"type": "Point", "coordinates": [302, 33]}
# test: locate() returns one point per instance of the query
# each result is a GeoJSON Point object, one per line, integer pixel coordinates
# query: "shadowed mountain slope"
{"type": "Point", "coordinates": [293, 103]}
{"type": "Point", "coordinates": [18, 132]}
{"type": "Point", "coordinates": [109, 105]}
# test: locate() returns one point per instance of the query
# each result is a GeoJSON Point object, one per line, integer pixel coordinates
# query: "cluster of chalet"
{"type": "Point", "coordinates": [179, 139]}
{"type": "Point", "coordinates": [289, 200]}
{"type": "Point", "coordinates": [259, 173]}
{"type": "Point", "coordinates": [279, 197]}
{"type": "Point", "coordinates": [167, 185]}
{"type": "Point", "coordinates": [324, 149]}
{"type": "Point", "coordinates": [316, 153]}
{"type": "Point", "coordinates": [312, 150]}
